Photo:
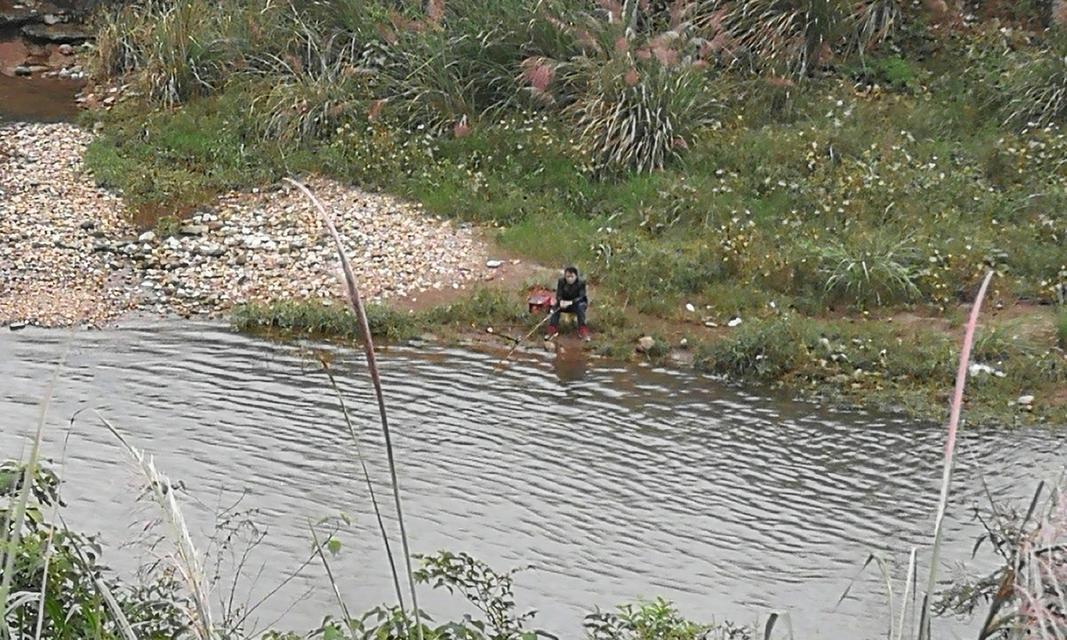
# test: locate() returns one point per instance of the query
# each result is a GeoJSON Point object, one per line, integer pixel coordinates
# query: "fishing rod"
{"type": "Point", "coordinates": [524, 339]}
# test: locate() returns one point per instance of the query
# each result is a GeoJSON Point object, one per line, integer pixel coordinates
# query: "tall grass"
{"type": "Point", "coordinates": [637, 118]}
{"type": "Point", "coordinates": [1035, 89]}
{"type": "Point", "coordinates": [185, 559]}
{"type": "Point", "coordinates": [793, 36]}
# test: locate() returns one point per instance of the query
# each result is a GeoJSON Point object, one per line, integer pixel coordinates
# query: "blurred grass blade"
{"type": "Point", "coordinates": [950, 453]}
{"type": "Point", "coordinates": [356, 304]}
{"type": "Point", "coordinates": [370, 485]}
{"type": "Point", "coordinates": [909, 584]}
{"type": "Point", "coordinates": [329, 574]}
{"type": "Point", "coordinates": [768, 630]}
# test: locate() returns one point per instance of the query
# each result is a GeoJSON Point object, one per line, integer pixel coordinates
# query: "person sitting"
{"type": "Point", "coordinates": [570, 298]}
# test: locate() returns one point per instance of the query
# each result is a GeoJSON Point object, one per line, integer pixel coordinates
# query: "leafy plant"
{"type": "Point", "coordinates": [59, 590]}
{"type": "Point", "coordinates": [893, 72]}
{"type": "Point", "coordinates": [657, 620]}
{"type": "Point", "coordinates": [489, 591]}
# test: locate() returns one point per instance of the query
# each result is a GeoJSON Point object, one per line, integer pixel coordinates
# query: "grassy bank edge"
{"type": "Point", "coordinates": [879, 364]}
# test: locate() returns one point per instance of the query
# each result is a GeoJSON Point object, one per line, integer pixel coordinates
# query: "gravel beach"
{"type": "Point", "coordinates": [69, 256]}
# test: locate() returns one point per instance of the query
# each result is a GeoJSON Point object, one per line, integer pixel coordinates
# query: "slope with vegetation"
{"type": "Point", "coordinates": [838, 175]}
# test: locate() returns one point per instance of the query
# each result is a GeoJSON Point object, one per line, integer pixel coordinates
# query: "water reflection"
{"type": "Point", "coordinates": [570, 362]}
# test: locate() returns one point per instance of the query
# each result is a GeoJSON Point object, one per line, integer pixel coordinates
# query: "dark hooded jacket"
{"type": "Point", "coordinates": [573, 292]}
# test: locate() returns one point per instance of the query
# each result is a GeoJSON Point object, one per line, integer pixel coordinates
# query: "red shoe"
{"type": "Point", "coordinates": [583, 333]}
{"type": "Point", "coordinates": [552, 331]}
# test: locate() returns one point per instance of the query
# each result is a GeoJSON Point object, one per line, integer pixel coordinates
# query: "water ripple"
{"type": "Point", "coordinates": [625, 483]}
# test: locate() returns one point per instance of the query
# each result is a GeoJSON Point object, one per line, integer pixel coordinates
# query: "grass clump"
{"type": "Point", "coordinates": [875, 269]}
{"type": "Point", "coordinates": [317, 318]}
{"type": "Point", "coordinates": [1035, 86]}
{"type": "Point", "coordinates": [763, 351]}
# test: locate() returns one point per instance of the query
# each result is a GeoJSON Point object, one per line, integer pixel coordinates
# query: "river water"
{"type": "Point", "coordinates": [614, 482]}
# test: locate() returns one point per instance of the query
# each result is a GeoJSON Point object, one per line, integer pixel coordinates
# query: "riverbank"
{"type": "Point", "coordinates": [73, 253]}
{"type": "Point", "coordinates": [821, 231]}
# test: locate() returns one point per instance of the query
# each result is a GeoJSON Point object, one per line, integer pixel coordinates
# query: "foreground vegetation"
{"type": "Point", "coordinates": [815, 168]}
{"type": "Point", "coordinates": [60, 589]}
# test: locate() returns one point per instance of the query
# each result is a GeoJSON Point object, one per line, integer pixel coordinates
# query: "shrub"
{"type": "Point", "coordinates": [632, 117]}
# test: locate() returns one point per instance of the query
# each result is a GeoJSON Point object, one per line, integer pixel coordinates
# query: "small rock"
{"type": "Point", "coordinates": [23, 71]}
{"type": "Point", "coordinates": [66, 50]}
{"type": "Point", "coordinates": [734, 323]}
{"type": "Point", "coordinates": [50, 19]}
{"type": "Point", "coordinates": [210, 250]}
{"type": "Point", "coordinates": [689, 307]}
{"type": "Point", "coordinates": [683, 343]}
{"type": "Point", "coordinates": [646, 344]}
{"type": "Point", "coordinates": [87, 225]}
{"type": "Point", "coordinates": [494, 264]}
{"type": "Point", "coordinates": [1025, 401]}
{"type": "Point", "coordinates": [15, 326]}
{"type": "Point", "coordinates": [193, 230]}
{"type": "Point", "coordinates": [147, 236]}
